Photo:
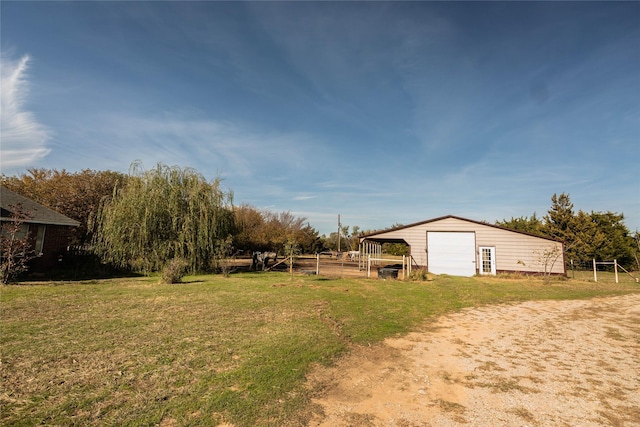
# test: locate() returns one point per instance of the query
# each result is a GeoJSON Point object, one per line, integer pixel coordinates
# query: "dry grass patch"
{"type": "Point", "coordinates": [448, 406]}
{"type": "Point", "coordinates": [360, 420]}
{"type": "Point", "coordinates": [524, 414]}
{"type": "Point", "coordinates": [490, 366]}
{"type": "Point", "coordinates": [615, 334]}
{"type": "Point", "coordinates": [504, 386]}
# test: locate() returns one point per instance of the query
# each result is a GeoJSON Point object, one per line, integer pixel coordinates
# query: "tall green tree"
{"type": "Point", "coordinates": [396, 249]}
{"type": "Point", "coordinates": [532, 225]}
{"type": "Point", "coordinates": [617, 242]}
{"type": "Point", "coordinates": [636, 249]}
{"type": "Point", "coordinates": [596, 235]}
{"type": "Point", "coordinates": [309, 240]}
{"type": "Point", "coordinates": [582, 238]}
{"type": "Point", "coordinates": [586, 236]}
{"type": "Point", "coordinates": [164, 213]}
{"type": "Point", "coordinates": [559, 221]}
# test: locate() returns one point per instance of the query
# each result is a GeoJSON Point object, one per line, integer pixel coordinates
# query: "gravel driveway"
{"type": "Point", "coordinates": [539, 363]}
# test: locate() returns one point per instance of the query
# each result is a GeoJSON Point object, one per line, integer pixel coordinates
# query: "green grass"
{"type": "Point", "coordinates": [604, 277]}
{"type": "Point", "coordinates": [213, 350]}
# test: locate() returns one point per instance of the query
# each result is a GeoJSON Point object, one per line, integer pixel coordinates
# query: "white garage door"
{"type": "Point", "coordinates": [451, 253]}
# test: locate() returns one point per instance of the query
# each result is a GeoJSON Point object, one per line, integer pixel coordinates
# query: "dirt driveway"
{"type": "Point", "coordinates": [542, 363]}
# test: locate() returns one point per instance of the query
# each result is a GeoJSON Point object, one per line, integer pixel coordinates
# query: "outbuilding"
{"type": "Point", "coordinates": [464, 247]}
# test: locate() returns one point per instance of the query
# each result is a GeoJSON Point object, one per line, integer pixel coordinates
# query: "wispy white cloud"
{"type": "Point", "coordinates": [304, 197]}
{"type": "Point", "coordinates": [214, 147]}
{"type": "Point", "coordinates": [22, 138]}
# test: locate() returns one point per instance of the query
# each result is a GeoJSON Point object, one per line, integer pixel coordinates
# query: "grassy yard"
{"type": "Point", "coordinates": [213, 350]}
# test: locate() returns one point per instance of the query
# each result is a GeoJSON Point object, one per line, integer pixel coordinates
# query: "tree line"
{"type": "Point", "coordinates": [146, 218]}
{"type": "Point", "coordinates": [143, 219]}
{"type": "Point", "coordinates": [596, 235]}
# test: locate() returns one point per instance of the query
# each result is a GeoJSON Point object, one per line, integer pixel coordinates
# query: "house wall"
{"type": "Point", "coordinates": [55, 241]}
{"type": "Point", "coordinates": [514, 251]}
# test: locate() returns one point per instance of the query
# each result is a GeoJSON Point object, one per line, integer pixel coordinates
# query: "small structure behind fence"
{"type": "Point", "coordinates": [406, 264]}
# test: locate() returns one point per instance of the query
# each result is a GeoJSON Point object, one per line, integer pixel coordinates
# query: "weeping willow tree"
{"type": "Point", "coordinates": [162, 214]}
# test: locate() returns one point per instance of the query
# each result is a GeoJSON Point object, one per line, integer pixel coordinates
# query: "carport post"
{"type": "Point", "coordinates": [404, 272]}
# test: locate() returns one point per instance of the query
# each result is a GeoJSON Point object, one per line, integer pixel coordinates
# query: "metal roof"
{"type": "Point", "coordinates": [39, 214]}
{"type": "Point", "coordinates": [372, 236]}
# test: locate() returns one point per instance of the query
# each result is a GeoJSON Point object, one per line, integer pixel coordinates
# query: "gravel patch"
{"type": "Point", "coordinates": [538, 363]}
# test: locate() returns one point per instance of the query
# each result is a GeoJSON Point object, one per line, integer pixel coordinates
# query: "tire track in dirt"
{"type": "Point", "coordinates": [536, 363]}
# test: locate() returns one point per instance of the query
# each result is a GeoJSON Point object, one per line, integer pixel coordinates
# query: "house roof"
{"type": "Point", "coordinates": [372, 236]}
{"type": "Point", "coordinates": [39, 213]}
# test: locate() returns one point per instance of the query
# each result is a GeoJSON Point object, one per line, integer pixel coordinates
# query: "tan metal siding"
{"type": "Point", "coordinates": [519, 252]}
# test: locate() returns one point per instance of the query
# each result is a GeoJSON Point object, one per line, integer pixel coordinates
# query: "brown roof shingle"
{"type": "Point", "coordinates": [40, 214]}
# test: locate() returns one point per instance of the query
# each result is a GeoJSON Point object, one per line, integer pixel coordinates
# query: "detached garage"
{"type": "Point", "coordinates": [463, 247]}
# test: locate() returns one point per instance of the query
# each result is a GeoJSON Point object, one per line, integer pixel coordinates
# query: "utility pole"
{"type": "Point", "coordinates": [339, 227]}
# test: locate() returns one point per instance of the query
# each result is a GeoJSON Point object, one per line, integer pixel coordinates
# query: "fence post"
{"type": "Point", "coordinates": [317, 264]}
{"type": "Point", "coordinates": [404, 272]}
{"type": "Point", "coordinates": [595, 275]}
{"type": "Point", "coordinates": [615, 268]}
{"type": "Point", "coordinates": [368, 266]}
{"type": "Point", "coordinates": [573, 274]}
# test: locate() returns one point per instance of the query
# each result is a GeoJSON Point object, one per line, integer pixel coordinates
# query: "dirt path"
{"type": "Point", "coordinates": [561, 363]}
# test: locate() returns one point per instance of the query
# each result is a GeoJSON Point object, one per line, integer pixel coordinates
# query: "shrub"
{"type": "Point", "coordinates": [174, 271]}
{"type": "Point", "coordinates": [222, 259]}
{"type": "Point", "coordinates": [15, 247]}
{"type": "Point", "coordinates": [419, 274]}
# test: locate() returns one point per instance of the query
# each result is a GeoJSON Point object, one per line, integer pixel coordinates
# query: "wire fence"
{"type": "Point", "coordinates": [601, 271]}
{"type": "Point", "coordinates": [334, 264]}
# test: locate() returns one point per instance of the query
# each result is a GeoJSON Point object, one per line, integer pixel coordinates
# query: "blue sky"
{"type": "Point", "coordinates": [383, 112]}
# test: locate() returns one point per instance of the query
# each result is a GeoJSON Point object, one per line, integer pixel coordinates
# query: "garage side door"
{"type": "Point", "coordinates": [451, 253]}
